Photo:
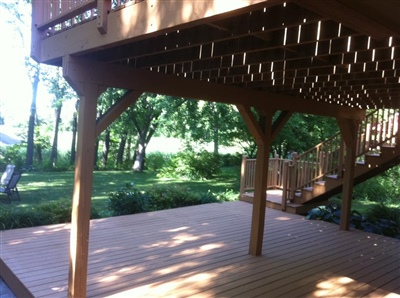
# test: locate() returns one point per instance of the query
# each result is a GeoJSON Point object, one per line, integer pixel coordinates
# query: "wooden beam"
{"type": "Point", "coordinates": [130, 78]}
{"type": "Point", "coordinates": [260, 188]}
{"type": "Point", "coordinates": [252, 124]}
{"type": "Point", "coordinates": [348, 129]}
{"type": "Point", "coordinates": [103, 9]}
{"type": "Point", "coordinates": [351, 18]}
{"type": "Point", "coordinates": [37, 35]}
{"type": "Point", "coordinates": [129, 98]}
{"type": "Point", "coordinates": [81, 201]}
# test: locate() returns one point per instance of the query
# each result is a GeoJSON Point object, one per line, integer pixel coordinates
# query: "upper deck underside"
{"type": "Point", "coordinates": [342, 53]}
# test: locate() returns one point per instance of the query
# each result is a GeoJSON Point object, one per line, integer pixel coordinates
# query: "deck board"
{"type": "Point", "coordinates": [202, 251]}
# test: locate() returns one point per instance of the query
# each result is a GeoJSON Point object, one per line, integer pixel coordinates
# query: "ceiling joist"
{"type": "Point", "coordinates": [81, 70]}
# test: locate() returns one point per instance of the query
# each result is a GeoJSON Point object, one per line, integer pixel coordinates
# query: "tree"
{"type": "Point", "coordinates": [204, 122]}
{"type": "Point", "coordinates": [147, 115]}
{"type": "Point", "coordinates": [302, 132]}
{"type": "Point", "coordinates": [19, 12]}
{"type": "Point", "coordinates": [74, 126]}
{"type": "Point", "coordinates": [61, 92]}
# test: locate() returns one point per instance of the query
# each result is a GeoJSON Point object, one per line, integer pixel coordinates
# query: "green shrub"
{"type": "Point", "coordinates": [191, 165]}
{"type": "Point", "coordinates": [379, 219]}
{"type": "Point", "coordinates": [156, 160]}
{"type": "Point", "coordinates": [372, 190]}
{"type": "Point", "coordinates": [128, 200]}
{"type": "Point", "coordinates": [172, 196]}
{"type": "Point", "coordinates": [380, 211]}
{"type": "Point", "coordinates": [46, 213]}
{"type": "Point", "coordinates": [12, 155]}
{"type": "Point", "coordinates": [231, 160]}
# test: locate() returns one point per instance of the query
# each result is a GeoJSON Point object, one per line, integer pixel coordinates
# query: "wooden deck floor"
{"type": "Point", "coordinates": [201, 251]}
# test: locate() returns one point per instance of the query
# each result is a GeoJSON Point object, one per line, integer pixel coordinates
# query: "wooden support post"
{"type": "Point", "coordinates": [285, 183]}
{"type": "Point", "coordinates": [275, 172]}
{"type": "Point", "coordinates": [293, 178]}
{"type": "Point", "coordinates": [348, 129]}
{"type": "Point", "coordinates": [81, 201]}
{"type": "Point", "coordinates": [103, 9]}
{"type": "Point", "coordinates": [260, 188]}
{"type": "Point", "coordinates": [243, 175]}
{"type": "Point", "coordinates": [259, 201]}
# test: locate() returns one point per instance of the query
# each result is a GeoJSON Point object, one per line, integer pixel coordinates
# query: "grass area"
{"type": "Point", "coordinates": [37, 187]}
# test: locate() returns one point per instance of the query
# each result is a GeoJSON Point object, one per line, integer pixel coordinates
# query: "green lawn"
{"type": "Point", "coordinates": [36, 187]}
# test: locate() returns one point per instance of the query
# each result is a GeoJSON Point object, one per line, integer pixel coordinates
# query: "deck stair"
{"type": "Point", "coordinates": [317, 174]}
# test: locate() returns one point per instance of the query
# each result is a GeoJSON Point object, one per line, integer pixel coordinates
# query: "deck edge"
{"type": "Point", "coordinates": [12, 281]}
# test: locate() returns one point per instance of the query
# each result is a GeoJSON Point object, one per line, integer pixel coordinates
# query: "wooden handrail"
{"type": "Point", "coordinates": [380, 128]}
{"type": "Point", "coordinates": [58, 13]}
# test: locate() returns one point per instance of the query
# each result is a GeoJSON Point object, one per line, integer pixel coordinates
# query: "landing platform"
{"type": "Point", "coordinates": [274, 201]}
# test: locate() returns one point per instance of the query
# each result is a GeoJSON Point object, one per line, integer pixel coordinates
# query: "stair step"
{"type": "Point", "coordinates": [373, 154]}
{"type": "Point", "coordinates": [308, 188]}
{"type": "Point", "coordinates": [320, 183]}
{"type": "Point", "coordinates": [332, 177]}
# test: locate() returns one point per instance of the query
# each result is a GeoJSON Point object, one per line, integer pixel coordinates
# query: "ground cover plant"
{"type": "Point", "coordinates": [375, 206]}
{"type": "Point", "coordinates": [46, 196]}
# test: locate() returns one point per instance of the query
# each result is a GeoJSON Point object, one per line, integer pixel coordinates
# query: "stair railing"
{"type": "Point", "coordinates": [248, 173]}
{"type": "Point", "coordinates": [380, 128]}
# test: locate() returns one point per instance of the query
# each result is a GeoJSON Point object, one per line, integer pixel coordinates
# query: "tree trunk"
{"type": "Point", "coordinates": [140, 155]}
{"type": "Point", "coordinates": [121, 149]}
{"type": "Point", "coordinates": [96, 150]}
{"type": "Point", "coordinates": [39, 156]}
{"type": "Point", "coordinates": [32, 118]}
{"type": "Point", "coordinates": [128, 148]}
{"type": "Point", "coordinates": [215, 128]}
{"type": "Point", "coordinates": [74, 132]}
{"type": "Point", "coordinates": [106, 148]}
{"type": "Point", "coordinates": [54, 148]}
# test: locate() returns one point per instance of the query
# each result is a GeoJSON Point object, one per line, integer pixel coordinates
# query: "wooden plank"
{"type": "Point", "coordinates": [201, 251]}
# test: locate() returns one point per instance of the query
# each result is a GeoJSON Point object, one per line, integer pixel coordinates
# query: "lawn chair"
{"type": "Point", "coordinates": [5, 178]}
{"type": "Point", "coordinates": [11, 188]}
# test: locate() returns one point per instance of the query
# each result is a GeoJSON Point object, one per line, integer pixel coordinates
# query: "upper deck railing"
{"type": "Point", "coordinates": [53, 16]}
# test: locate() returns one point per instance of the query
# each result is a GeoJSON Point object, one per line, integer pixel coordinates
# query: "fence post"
{"type": "Point", "coordinates": [293, 179]}
{"type": "Point", "coordinates": [243, 174]}
{"type": "Point", "coordinates": [321, 163]}
{"type": "Point", "coordinates": [275, 171]}
{"type": "Point", "coordinates": [285, 184]}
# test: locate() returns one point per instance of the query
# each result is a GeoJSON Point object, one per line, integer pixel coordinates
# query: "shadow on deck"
{"type": "Point", "coordinates": [202, 251]}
